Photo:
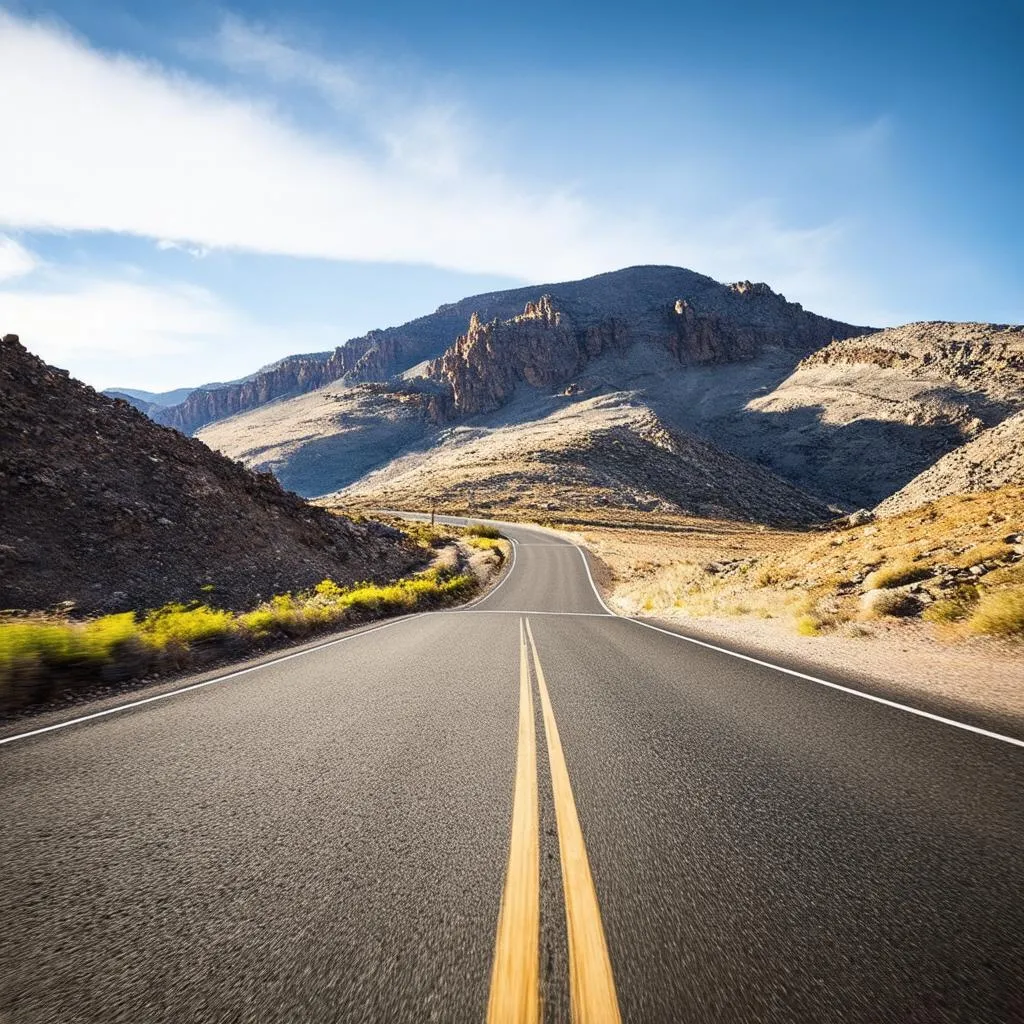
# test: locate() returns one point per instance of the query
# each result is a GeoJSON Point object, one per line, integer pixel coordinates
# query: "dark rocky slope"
{"type": "Point", "coordinates": [102, 507]}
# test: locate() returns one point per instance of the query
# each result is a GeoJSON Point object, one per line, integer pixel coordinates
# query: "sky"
{"type": "Point", "coordinates": [190, 191]}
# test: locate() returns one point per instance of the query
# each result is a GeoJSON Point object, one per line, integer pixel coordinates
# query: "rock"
{"type": "Point", "coordinates": [860, 517]}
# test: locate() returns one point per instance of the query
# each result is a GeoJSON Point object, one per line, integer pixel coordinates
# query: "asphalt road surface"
{"type": "Point", "coordinates": [394, 827]}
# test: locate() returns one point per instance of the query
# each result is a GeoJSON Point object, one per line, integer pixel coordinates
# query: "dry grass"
{"type": "Point", "coordinates": [1000, 613]}
{"type": "Point", "coordinates": [896, 575]}
{"type": "Point", "coordinates": [816, 579]}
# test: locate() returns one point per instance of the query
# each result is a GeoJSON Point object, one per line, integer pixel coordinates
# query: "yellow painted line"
{"type": "Point", "coordinates": [591, 983]}
{"type": "Point", "coordinates": [515, 976]}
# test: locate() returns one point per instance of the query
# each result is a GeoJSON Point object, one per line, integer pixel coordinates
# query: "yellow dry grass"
{"type": "Point", "coordinates": [816, 579]}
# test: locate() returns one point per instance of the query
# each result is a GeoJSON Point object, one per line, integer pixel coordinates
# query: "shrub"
{"type": "Point", "coordinates": [896, 575]}
{"type": "Point", "coordinates": [488, 544]}
{"type": "Point", "coordinates": [999, 613]}
{"type": "Point", "coordinates": [878, 603]}
{"type": "Point", "coordinates": [481, 530]}
{"type": "Point", "coordinates": [808, 625]}
{"type": "Point", "coordinates": [178, 625]}
{"type": "Point", "coordinates": [957, 606]}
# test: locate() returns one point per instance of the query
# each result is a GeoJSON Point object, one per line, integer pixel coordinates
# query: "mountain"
{"type": "Point", "coordinates": [160, 399]}
{"type": "Point", "coordinates": [649, 329]}
{"type": "Point", "coordinates": [847, 414]}
{"type": "Point", "coordinates": [104, 508]}
{"type": "Point", "coordinates": [995, 458]}
{"type": "Point", "coordinates": [636, 302]}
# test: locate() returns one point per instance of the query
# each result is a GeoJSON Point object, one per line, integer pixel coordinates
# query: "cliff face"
{"type": "Point", "coordinates": [544, 346]}
{"type": "Point", "coordinates": [604, 311]}
{"type": "Point", "coordinates": [104, 508]}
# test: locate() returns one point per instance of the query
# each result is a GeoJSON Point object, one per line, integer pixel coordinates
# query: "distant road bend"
{"type": "Point", "coordinates": [527, 809]}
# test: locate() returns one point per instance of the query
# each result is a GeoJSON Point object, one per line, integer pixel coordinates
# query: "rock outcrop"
{"type": "Point", "coordinates": [101, 507]}
{"type": "Point", "coordinates": [545, 345]}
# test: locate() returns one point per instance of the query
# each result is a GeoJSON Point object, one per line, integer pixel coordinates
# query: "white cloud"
{"type": "Point", "coordinates": [131, 332]}
{"type": "Point", "coordinates": [195, 251]}
{"type": "Point", "coordinates": [247, 47]}
{"type": "Point", "coordinates": [109, 143]}
{"type": "Point", "coordinates": [15, 259]}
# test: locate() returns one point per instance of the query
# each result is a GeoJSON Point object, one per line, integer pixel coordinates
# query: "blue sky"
{"type": "Point", "coordinates": [190, 192]}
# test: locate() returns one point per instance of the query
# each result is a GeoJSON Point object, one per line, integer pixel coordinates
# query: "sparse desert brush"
{"type": "Point", "coordinates": [998, 552]}
{"type": "Point", "coordinates": [808, 625]}
{"type": "Point", "coordinates": [897, 575]}
{"type": "Point", "coordinates": [482, 530]}
{"type": "Point", "coordinates": [488, 544]}
{"type": "Point", "coordinates": [183, 626]}
{"type": "Point", "coordinates": [879, 603]}
{"type": "Point", "coordinates": [957, 606]}
{"type": "Point", "coordinates": [772, 575]}
{"type": "Point", "coordinates": [999, 613]}
{"type": "Point", "coordinates": [39, 657]}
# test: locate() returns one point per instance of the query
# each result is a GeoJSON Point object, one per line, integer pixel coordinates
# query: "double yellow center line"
{"type": "Point", "coordinates": [515, 996]}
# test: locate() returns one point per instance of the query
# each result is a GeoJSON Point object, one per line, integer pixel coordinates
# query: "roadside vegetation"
{"type": "Point", "coordinates": [44, 656]}
{"type": "Point", "coordinates": [956, 564]}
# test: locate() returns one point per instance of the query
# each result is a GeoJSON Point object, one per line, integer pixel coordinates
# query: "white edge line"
{"type": "Point", "coordinates": [205, 682]}
{"type": "Point", "coordinates": [802, 675]}
{"type": "Point", "coordinates": [593, 585]}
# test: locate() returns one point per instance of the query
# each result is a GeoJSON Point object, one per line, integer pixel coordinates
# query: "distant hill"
{"type": "Point", "coordinates": [104, 508]}
{"type": "Point", "coordinates": [161, 399]}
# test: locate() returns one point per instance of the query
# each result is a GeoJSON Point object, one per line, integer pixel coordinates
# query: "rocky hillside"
{"type": "Point", "coordinates": [635, 303]}
{"type": "Point", "coordinates": [858, 419]}
{"type": "Point", "coordinates": [101, 507]}
{"type": "Point", "coordinates": [606, 452]}
{"type": "Point", "coordinates": [993, 459]}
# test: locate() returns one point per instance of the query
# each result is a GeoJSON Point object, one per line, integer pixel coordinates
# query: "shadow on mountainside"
{"type": "Point", "coordinates": [852, 464]}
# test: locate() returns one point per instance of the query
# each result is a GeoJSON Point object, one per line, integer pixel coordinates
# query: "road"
{"type": "Point", "coordinates": [333, 836]}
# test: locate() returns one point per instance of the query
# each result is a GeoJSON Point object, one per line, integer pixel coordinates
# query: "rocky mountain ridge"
{"type": "Point", "coordinates": [103, 508]}
{"type": "Point", "coordinates": [641, 297]}
{"type": "Point", "coordinates": [543, 347]}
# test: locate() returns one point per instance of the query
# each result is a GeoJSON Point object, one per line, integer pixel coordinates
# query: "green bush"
{"type": "Point", "coordinates": [40, 656]}
{"type": "Point", "coordinates": [179, 625]}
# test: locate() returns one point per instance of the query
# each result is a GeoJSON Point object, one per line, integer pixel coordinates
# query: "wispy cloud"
{"type": "Point", "coordinates": [124, 327]}
{"type": "Point", "coordinates": [112, 143]}
{"type": "Point", "coordinates": [15, 259]}
{"type": "Point", "coordinates": [117, 144]}
{"type": "Point", "coordinates": [195, 251]}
